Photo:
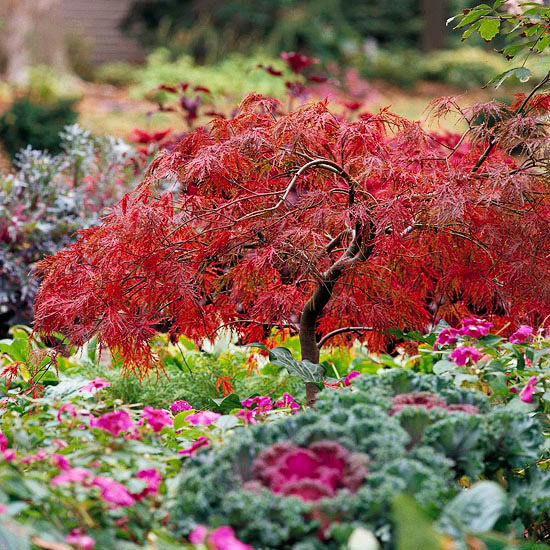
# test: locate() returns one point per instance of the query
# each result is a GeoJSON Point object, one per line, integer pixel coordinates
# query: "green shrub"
{"type": "Point", "coordinates": [419, 451]}
{"type": "Point", "coordinates": [117, 73]}
{"type": "Point", "coordinates": [235, 76]}
{"type": "Point", "coordinates": [28, 122]}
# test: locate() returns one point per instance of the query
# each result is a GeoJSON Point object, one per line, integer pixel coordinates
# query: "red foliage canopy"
{"type": "Point", "coordinates": [308, 219]}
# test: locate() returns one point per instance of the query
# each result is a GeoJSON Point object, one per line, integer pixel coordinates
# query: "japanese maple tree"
{"type": "Point", "coordinates": [312, 223]}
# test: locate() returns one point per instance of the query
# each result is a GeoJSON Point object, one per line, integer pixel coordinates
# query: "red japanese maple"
{"type": "Point", "coordinates": [317, 224]}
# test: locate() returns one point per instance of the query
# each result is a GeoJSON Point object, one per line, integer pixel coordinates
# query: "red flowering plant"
{"type": "Point", "coordinates": [313, 224]}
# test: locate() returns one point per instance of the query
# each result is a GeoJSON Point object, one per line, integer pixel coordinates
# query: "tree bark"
{"type": "Point", "coordinates": [16, 45]}
{"type": "Point", "coordinates": [434, 14]}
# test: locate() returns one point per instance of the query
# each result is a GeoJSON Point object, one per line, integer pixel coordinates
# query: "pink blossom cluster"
{"type": "Point", "coordinates": [95, 384]}
{"type": "Point", "coordinates": [473, 327]}
{"type": "Point", "coordinates": [111, 491]}
{"type": "Point", "coordinates": [80, 540]}
{"type": "Point", "coordinates": [222, 538]}
{"type": "Point", "coordinates": [261, 404]}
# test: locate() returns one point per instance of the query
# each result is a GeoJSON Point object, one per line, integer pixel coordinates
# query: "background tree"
{"type": "Point", "coordinates": [314, 224]}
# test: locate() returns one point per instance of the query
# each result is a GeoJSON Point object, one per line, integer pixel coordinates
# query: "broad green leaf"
{"type": "Point", "coordinates": [474, 15]}
{"type": "Point", "coordinates": [444, 366]}
{"type": "Point", "coordinates": [306, 370]}
{"type": "Point", "coordinates": [179, 419]}
{"type": "Point", "coordinates": [413, 530]}
{"type": "Point", "coordinates": [489, 28]}
{"type": "Point", "coordinates": [521, 73]}
{"type": "Point", "coordinates": [226, 404]}
{"type": "Point", "coordinates": [12, 537]}
{"type": "Point", "coordinates": [475, 510]}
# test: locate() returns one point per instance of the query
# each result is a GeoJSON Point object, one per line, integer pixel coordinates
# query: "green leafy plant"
{"type": "Point", "coordinates": [37, 124]}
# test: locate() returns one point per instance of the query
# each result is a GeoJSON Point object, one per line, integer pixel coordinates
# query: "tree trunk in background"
{"type": "Point", "coordinates": [434, 14]}
{"type": "Point", "coordinates": [51, 49]}
{"type": "Point", "coordinates": [15, 40]}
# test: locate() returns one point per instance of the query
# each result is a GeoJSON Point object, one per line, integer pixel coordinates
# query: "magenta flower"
{"type": "Point", "coordinates": [61, 462]}
{"type": "Point", "coordinates": [463, 354]}
{"type": "Point", "coordinates": [80, 540]}
{"type": "Point", "coordinates": [203, 418]}
{"type": "Point", "coordinates": [526, 394]}
{"type": "Point", "coordinates": [68, 408]}
{"type": "Point", "coordinates": [157, 418]}
{"type": "Point", "coordinates": [198, 534]}
{"type": "Point", "coordinates": [152, 478]}
{"type": "Point", "coordinates": [448, 336]}
{"type": "Point", "coordinates": [262, 402]}
{"type": "Point", "coordinates": [248, 416]}
{"type": "Point", "coordinates": [2, 509]}
{"type": "Point", "coordinates": [3, 442]}
{"type": "Point", "coordinates": [178, 406]}
{"type": "Point", "coordinates": [288, 401]}
{"type": "Point", "coordinates": [113, 422]}
{"type": "Point", "coordinates": [522, 334]}
{"type": "Point", "coordinates": [40, 455]}
{"type": "Point", "coordinates": [95, 384]}
{"type": "Point", "coordinates": [113, 492]}
{"type": "Point", "coordinates": [73, 475]}
{"type": "Point", "coordinates": [9, 455]}
{"type": "Point", "coordinates": [223, 538]}
{"type": "Point", "coordinates": [351, 375]}
{"type": "Point", "coordinates": [190, 451]}
{"type": "Point", "coordinates": [475, 328]}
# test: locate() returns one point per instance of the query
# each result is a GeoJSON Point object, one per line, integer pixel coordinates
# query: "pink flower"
{"type": "Point", "coordinates": [113, 422]}
{"type": "Point", "coordinates": [73, 475]}
{"type": "Point", "coordinates": [2, 509]}
{"type": "Point", "coordinates": [351, 375]}
{"type": "Point", "coordinates": [157, 418]}
{"type": "Point", "coordinates": [464, 354]}
{"type": "Point", "coordinates": [3, 442]}
{"type": "Point", "coordinates": [114, 492]}
{"type": "Point", "coordinates": [248, 416]}
{"type": "Point", "coordinates": [95, 384]}
{"type": "Point", "coordinates": [68, 408]}
{"type": "Point", "coordinates": [223, 538]}
{"type": "Point", "coordinates": [526, 394]}
{"type": "Point", "coordinates": [448, 336]}
{"type": "Point", "coordinates": [262, 402]}
{"type": "Point", "coordinates": [198, 534]}
{"type": "Point", "coordinates": [475, 328]}
{"type": "Point", "coordinates": [522, 334]}
{"type": "Point", "coordinates": [201, 442]}
{"type": "Point", "coordinates": [288, 401]}
{"type": "Point", "coordinates": [61, 462]}
{"type": "Point", "coordinates": [59, 444]}
{"type": "Point", "coordinates": [178, 406]}
{"type": "Point", "coordinates": [152, 478]}
{"type": "Point", "coordinates": [40, 455]}
{"type": "Point", "coordinates": [203, 418]}
{"type": "Point", "coordinates": [80, 540]}
{"type": "Point", "coordinates": [9, 455]}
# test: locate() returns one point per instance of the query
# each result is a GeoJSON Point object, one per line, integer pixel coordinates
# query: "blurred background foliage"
{"type": "Point", "coordinates": [330, 29]}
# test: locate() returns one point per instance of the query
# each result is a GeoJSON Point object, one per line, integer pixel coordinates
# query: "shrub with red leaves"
{"type": "Point", "coordinates": [314, 224]}
{"type": "Point", "coordinates": [309, 473]}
